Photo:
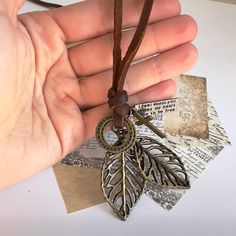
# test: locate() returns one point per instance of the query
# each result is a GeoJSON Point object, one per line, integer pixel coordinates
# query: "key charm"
{"type": "Point", "coordinates": [146, 121]}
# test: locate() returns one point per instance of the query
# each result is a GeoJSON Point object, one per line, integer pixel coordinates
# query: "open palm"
{"type": "Point", "coordinates": [53, 97]}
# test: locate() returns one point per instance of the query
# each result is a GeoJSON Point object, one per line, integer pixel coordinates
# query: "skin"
{"type": "Point", "coordinates": [53, 97]}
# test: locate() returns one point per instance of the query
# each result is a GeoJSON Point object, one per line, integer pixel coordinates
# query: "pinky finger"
{"type": "Point", "coordinates": [161, 91]}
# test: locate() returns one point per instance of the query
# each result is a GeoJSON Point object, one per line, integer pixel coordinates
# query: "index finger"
{"type": "Point", "coordinates": [91, 18]}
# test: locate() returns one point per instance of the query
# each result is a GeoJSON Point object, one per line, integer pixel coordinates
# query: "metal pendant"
{"type": "Point", "coordinates": [125, 138]}
{"type": "Point", "coordinates": [132, 161]}
{"type": "Point", "coordinates": [159, 164]}
{"type": "Point", "coordinates": [122, 182]}
{"type": "Point", "coordinates": [146, 121]}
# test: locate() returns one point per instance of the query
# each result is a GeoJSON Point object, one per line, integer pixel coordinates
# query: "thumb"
{"type": "Point", "coordinates": [10, 7]}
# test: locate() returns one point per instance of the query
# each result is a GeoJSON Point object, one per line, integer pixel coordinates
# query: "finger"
{"type": "Point", "coordinates": [93, 90]}
{"type": "Point", "coordinates": [161, 91]}
{"type": "Point", "coordinates": [159, 37]}
{"type": "Point", "coordinates": [91, 18]}
{"type": "Point", "coordinates": [11, 7]}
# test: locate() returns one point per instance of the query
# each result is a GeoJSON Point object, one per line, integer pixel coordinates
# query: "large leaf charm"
{"type": "Point", "coordinates": [159, 164]}
{"type": "Point", "coordinates": [122, 182]}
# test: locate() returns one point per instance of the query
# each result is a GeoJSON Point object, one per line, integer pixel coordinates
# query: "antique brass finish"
{"type": "Point", "coordinates": [159, 164]}
{"type": "Point", "coordinates": [126, 136]}
{"type": "Point", "coordinates": [122, 182]}
{"type": "Point", "coordinates": [146, 121]}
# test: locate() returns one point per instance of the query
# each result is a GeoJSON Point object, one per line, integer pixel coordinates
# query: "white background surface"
{"type": "Point", "coordinates": [35, 207]}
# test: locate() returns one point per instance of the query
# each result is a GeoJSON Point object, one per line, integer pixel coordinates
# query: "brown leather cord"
{"type": "Point", "coordinates": [118, 97]}
{"type": "Point", "coordinates": [117, 34]}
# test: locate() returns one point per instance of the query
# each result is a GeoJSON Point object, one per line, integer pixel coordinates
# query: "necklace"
{"type": "Point", "coordinates": [130, 161]}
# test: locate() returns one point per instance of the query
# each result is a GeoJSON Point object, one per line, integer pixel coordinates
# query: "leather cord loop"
{"type": "Point", "coordinates": [118, 102]}
{"type": "Point", "coordinates": [118, 97]}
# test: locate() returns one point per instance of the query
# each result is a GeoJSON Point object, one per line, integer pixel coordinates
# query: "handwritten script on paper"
{"type": "Point", "coordinates": [193, 131]}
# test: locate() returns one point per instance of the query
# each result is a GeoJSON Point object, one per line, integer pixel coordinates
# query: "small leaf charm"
{"type": "Point", "coordinates": [122, 182]}
{"type": "Point", "coordinates": [159, 164]}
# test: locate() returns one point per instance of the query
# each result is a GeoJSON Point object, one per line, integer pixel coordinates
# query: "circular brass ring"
{"type": "Point", "coordinates": [125, 144]}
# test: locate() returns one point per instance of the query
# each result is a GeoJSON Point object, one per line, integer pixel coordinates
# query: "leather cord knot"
{"type": "Point", "coordinates": [118, 102]}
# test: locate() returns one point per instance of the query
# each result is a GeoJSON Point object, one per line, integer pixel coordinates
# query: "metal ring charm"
{"type": "Point", "coordinates": [124, 144]}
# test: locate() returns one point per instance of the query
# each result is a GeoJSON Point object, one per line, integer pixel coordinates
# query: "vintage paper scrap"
{"type": "Point", "coordinates": [80, 187]}
{"type": "Point", "coordinates": [196, 151]}
{"type": "Point", "coordinates": [190, 116]}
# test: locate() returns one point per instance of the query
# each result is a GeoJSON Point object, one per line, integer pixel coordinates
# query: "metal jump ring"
{"type": "Point", "coordinates": [124, 144]}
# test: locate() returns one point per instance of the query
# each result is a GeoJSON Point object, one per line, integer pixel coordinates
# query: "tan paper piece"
{"type": "Point", "coordinates": [80, 187]}
{"type": "Point", "coordinates": [187, 113]}
{"type": "Point", "coordinates": [190, 116]}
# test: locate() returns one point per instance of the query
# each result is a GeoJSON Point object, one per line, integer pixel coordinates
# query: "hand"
{"type": "Point", "coordinates": [52, 97]}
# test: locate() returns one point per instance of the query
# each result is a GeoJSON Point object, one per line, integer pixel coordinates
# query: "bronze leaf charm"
{"type": "Point", "coordinates": [159, 164]}
{"type": "Point", "coordinates": [122, 182]}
